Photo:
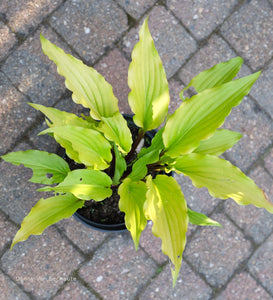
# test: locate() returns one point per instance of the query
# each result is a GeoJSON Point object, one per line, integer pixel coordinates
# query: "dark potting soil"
{"type": "Point", "coordinates": [106, 211]}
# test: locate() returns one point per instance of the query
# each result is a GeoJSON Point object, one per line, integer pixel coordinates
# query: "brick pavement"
{"type": "Point", "coordinates": [70, 261]}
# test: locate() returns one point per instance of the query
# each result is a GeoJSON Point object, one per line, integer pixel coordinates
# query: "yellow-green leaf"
{"type": "Point", "coordinates": [221, 141]}
{"type": "Point", "coordinates": [48, 168]}
{"type": "Point", "coordinates": [198, 118]}
{"type": "Point", "coordinates": [84, 184]}
{"type": "Point", "coordinates": [201, 219]}
{"type": "Point", "coordinates": [88, 146]}
{"type": "Point", "coordinates": [149, 96]}
{"type": "Point", "coordinates": [167, 208]}
{"type": "Point", "coordinates": [61, 118]}
{"type": "Point", "coordinates": [217, 75]}
{"type": "Point", "coordinates": [120, 166]}
{"type": "Point", "coordinates": [222, 179]}
{"type": "Point", "coordinates": [115, 129]}
{"type": "Point", "coordinates": [45, 213]}
{"type": "Point", "coordinates": [132, 197]}
{"type": "Point", "coordinates": [89, 87]}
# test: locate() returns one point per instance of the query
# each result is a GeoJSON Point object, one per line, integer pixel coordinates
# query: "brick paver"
{"type": "Point", "coordinates": [7, 40]}
{"type": "Point", "coordinates": [217, 252]}
{"type": "Point", "coordinates": [90, 26]}
{"type": "Point", "coordinates": [250, 31]}
{"type": "Point", "coordinates": [72, 261]}
{"type": "Point", "coordinates": [54, 257]}
{"type": "Point", "coordinates": [201, 17]}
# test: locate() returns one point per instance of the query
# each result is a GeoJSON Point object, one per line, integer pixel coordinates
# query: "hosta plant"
{"type": "Point", "coordinates": [189, 142]}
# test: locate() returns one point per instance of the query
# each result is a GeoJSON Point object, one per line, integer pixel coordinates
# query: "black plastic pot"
{"type": "Point", "coordinates": [113, 227]}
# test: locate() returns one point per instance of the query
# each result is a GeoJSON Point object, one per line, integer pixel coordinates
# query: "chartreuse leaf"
{"type": "Point", "coordinates": [115, 129]}
{"type": "Point", "coordinates": [198, 118]}
{"type": "Point", "coordinates": [61, 118]}
{"type": "Point", "coordinates": [149, 96]}
{"type": "Point", "coordinates": [140, 169]}
{"type": "Point", "coordinates": [92, 91]}
{"type": "Point", "coordinates": [167, 208]}
{"type": "Point", "coordinates": [222, 179]}
{"type": "Point", "coordinates": [89, 87]}
{"type": "Point", "coordinates": [45, 213]}
{"type": "Point", "coordinates": [89, 146]}
{"type": "Point", "coordinates": [47, 168]}
{"type": "Point", "coordinates": [132, 197]}
{"type": "Point", "coordinates": [222, 140]}
{"type": "Point", "coordinates": [120, 166]}
{"type": "Point", "coordinates": [84, 184]}
{"type": "Point", "coordinates": [156, 145]}
{"type": "Point", "coordinates": [201, 219]}
{"type": "Point", "coordinates": [217, 75]}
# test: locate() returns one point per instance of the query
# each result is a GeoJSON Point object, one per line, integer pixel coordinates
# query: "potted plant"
{"type": "Point", "coordinates": [189, 143]}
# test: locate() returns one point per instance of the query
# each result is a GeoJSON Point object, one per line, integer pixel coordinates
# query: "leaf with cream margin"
{"type": "Point", "coordinates": [92, 91]}
{"type": "Point", "coordinates": [45, 213]}
{"type": "Point", "coordinates": [221, 141]}
{"type": "Point", "coordinates": [217, 75]}
{"type": "Point", "coordinates": [197, 118]}
{"type": "Point", "coordinates": [149, 97]}
{"type": "Point", "coordinates": [47, 168]}
{"type": "Point", "coordinates": [84, 184]}
{"type": "Point", "coordinates": [132, 197]}
{"type": "Point", "coordinates": [167, 208]}
{"type": "Point", "coordinates": [91, 148]}
{"type": "Point", "coordinates": [222, 179]}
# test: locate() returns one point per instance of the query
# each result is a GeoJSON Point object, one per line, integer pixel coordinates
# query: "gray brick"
{"type": "Point", "coordinates": [201, 17]}
{"type": "Point", "coordinates": [7, 40]}
{"type": "Point", "coordinates": [74, 290]}
{"type": "Point", "coordinates": [46, 142]}
{"type": "Point", "coordinates": [262, 89]}
{"type": "Point", "coordinates": [175, 87]}
{"type": "Point", "coordinates": [43, 142]}
{"type": "Point", "coordinates": [197, 199]}
{"type": "Point", "coordinates": [250, 32]}
{"type": "Point", "coordinates": [9, 290]}
{"type": "Point", "coordinates": [90, 26]}
{"type": "Point", "coordinates": [256, 222]}
{"type": "Point", "coordinates": [85, 238]}
{"type": "Point", "coordinates": [42, 263]}
{"type": "Point", "coordinates": [152, 244]}
{"type": "Point", "coordinates": [23, 15]}
{"type": "Point", "coordinates": [8, 230]}
{"type": "Point", "coordinates": [269, 162]}
{"type": "Point", "coordinates": [216, 50]}
{"type": "Point", "coordinates": [261, 264]}
{"type": "Point", "coordinates": [188, 286]}
{"type": "Point", "coordinates": [18, 194]}
{"type": "Point", "coordinates": [169, 36]}
{"type": "Point", "coordinates": [15, 114]}
{"type": "Point", "coordinates": [136, 8]}
{"type": "Point", "coordinates": [116, 271]}
{"type": "Point", "coordinates": [114, 68]}
{"type": "Point", "coordinates": [33, 73]}
{"type": "Point", "coordinates": [257, 130]}
{"type": "Point", "coordinates": [217, 252]}
{"type": "Point", "coordinates": [243, 286]}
